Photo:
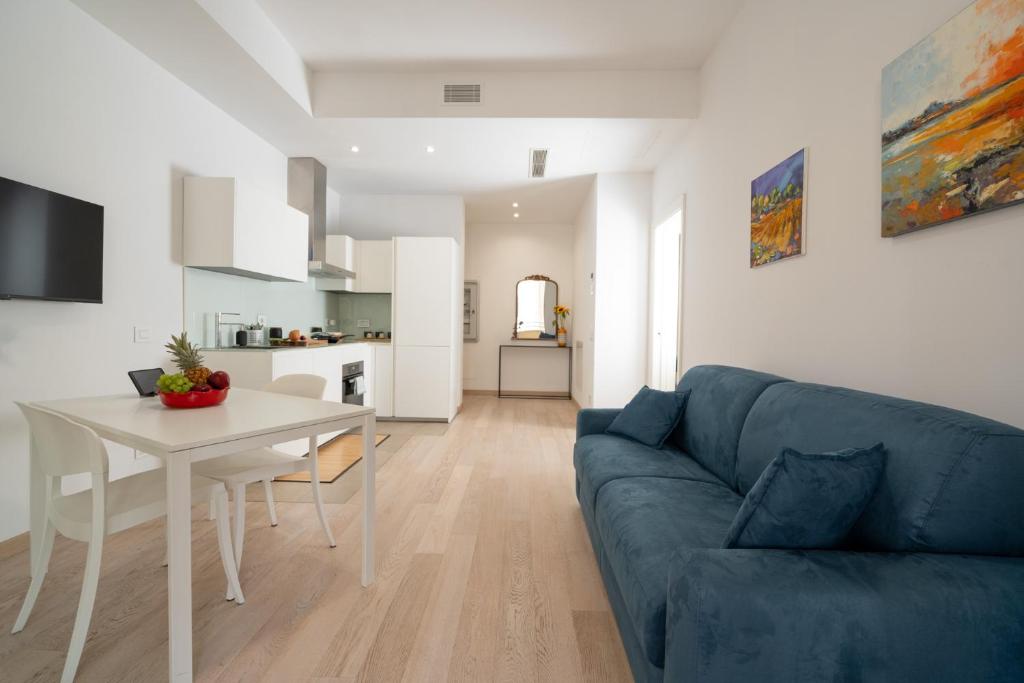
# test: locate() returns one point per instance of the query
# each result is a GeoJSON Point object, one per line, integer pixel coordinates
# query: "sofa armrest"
{"type": "Point", "coordinates": [774, 615]}
{"type": "Point", "coordinates": [594, 420]}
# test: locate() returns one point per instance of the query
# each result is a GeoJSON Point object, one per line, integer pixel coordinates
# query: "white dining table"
{"type": "Point", "coordinates": [247, 419]}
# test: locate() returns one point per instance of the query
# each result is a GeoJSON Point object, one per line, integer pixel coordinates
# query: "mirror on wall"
{"type": "Point", "coordinates": [536, 297]}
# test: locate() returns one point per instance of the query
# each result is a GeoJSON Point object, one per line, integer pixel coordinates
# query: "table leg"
{"type": "Point", "coordinates": [179, 569]}
{"type": "Point", "coordinates": [369, 494]}
{"type": "Point", "coordinates": [36, 506]}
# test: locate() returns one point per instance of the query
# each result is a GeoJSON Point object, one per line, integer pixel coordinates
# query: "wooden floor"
{"type": "Point", "coordinates": [484, 573]}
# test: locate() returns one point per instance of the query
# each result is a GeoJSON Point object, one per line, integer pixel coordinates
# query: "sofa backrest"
{"type": "Point", "coordinates": [720, 399]}
{"type": "Point", "coordinates": [953, 482]}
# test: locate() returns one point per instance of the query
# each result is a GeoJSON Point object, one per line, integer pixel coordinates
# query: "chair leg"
{"type": "Point", "coordinates": [42, 563]}
{"type": "Point", "coordinates": [268, 493]}
{"type": "Point", "coordinates": [314, 480]}
{"type": "Point", "coordinates": [85, 605]}
{"type": "Point", "coordinates": [211, 511]}
{"type": "Point", "coordinates": [238, 491]}
{"type": "Point", "coordinates": [227, 558]}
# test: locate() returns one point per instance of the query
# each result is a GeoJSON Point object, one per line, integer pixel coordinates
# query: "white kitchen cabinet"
{"type": "Point", "coordinates": [383, 379]}
{"type": "Point", "coordinates": [327, 363]}
{"type": "Point", "coordinates": [374, 266]}
{"type": "Point", "coordinates": [230, 227]}
{"type": "Point", "coordinates": [342, 251]}
{"type": "Point", "coordinates": [422, 382]}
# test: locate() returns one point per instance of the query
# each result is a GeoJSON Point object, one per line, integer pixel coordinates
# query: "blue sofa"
{"type": "Point", "coordinates": [929, 585]}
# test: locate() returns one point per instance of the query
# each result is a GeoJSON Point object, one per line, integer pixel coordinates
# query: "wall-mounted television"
{"type": "Point", "coordinates": [51, 245]}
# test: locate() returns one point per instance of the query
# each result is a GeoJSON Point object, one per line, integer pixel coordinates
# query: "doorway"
{"type": "Point", "coordinates": [666, 271]}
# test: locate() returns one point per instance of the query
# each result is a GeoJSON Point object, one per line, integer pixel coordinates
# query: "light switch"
{"type": "Point", "coordinates": [140, 335]}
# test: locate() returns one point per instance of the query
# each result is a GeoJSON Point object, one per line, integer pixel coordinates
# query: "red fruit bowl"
{"type": "Point", "coordinates": [194, 399]}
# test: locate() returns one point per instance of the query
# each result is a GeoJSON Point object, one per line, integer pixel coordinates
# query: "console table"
{"type": "Point", "coordinates": [567, 395]}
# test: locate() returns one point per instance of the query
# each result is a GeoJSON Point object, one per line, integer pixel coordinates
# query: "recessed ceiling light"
{"type": "Point", "coordinates": [355, 149]}
{"type": "Point", "coordinates": [515, 205]}
{"type": "Point", "coordinates": [430, 149]}
{"type": "Point", "coordinates": [515, 215]}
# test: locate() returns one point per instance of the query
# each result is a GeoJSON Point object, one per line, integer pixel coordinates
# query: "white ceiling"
{"type": "Point", "coordinates": [486, 160]}
{"type": "Point", "coordinates": [219, 48]}
{"type": "Point", "coordinates": [424, 35]}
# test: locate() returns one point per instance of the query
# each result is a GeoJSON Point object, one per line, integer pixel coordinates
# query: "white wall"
{"type": "Point", "coordinates": [379, 216]}
{"type": "Point", "coordinates": [87, 115]}
{"type": "Point", "coordinates": [612, 237]}
{"type": "Point", "coordinates": [497, 257]}
{"type": "Point", "coordinates": [584, 267]}
{"type": "Point", "coordinates": [933, 316]}
{"type": "Point", "coordinates": [621, 284]}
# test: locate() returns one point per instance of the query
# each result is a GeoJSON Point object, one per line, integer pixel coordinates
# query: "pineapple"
{"type": "Point", "coordinates": [186, 357]}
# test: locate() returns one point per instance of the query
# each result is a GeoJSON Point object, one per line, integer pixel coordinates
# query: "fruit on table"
{"type": "Point", "coordinates": [219, 380]}
{"type": "Point", "coordinates": [188, 359]}
{"type": "Point", "coordinates": [174, 384]}
{"type": "Point", "coordinates": [294, 335]}
{"type": "Point", "coordinates": [202, 388]}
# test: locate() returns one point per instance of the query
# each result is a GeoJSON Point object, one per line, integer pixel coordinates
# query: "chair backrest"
{"type": "Point", "coordinates": [62, 446]}
{"type": "Point", "coordinates": [307, 386]}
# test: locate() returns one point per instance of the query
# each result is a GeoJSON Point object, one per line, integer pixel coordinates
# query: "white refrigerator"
{"type": "Point", "coordinates": [426, 327]}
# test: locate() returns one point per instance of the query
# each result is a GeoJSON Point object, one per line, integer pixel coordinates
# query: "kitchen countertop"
{"type": "Point", "coordinates": [295, 348]}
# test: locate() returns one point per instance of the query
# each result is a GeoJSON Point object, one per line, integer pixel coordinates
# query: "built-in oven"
{"type": "Point", "coordinates": [353, 385]}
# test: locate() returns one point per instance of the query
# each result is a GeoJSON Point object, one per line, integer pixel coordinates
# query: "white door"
{"type": "Point", "coordinates": [666, 260]}
{"type": "Point", "coordinates": [422, 382]}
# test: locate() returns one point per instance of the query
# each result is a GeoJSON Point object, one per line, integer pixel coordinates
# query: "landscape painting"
{"type": "Point", "coordinates": [777, 212]}
{"type": "Point", "coordinates": [953, 120]}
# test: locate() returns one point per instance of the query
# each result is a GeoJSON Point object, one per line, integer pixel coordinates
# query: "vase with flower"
{"type": "Point", "coordinates": [561, 314]}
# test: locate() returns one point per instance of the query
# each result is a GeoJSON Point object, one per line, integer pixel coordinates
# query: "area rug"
{"type": "Point", "coordinates": [336, 457]}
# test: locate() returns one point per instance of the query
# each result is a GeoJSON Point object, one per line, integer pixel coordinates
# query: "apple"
{"type": "Point", "coordinates": [219, 380]}
{"type": "Point", "coordinates": [201, 388]}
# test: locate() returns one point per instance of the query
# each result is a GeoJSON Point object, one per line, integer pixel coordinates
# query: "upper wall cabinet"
{"type": "Point", "coordinates": [236, 229]}
{"type": "Point", "coordinates": [371, 260]}
{"type": "Point", "coordinates": [374, 266]}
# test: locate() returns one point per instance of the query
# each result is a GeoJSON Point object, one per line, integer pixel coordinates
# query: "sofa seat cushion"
{"type": "Point", "coordinates": [642, 522]}
{"type": "Point", "coordinates": [601, 458]}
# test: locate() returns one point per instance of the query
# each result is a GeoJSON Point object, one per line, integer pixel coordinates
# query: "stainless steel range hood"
{"type": "Point", "coordinates": [307, 192]}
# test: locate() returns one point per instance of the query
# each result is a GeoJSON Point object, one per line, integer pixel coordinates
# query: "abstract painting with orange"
{"type": "Point", "coordinates": [777, 212]}
{"type": "Point", "coordinates": [953, 120]}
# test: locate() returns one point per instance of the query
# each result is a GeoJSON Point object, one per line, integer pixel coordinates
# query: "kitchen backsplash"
{"type": "Point", "coordinates": [289, 305]}
{"type": "Point", "coordinates": [354, 307]}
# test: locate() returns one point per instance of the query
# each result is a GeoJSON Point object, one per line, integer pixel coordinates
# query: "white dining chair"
{"type": "Point", "coordinates": [263, 464]}
{"type": "Point", "coordinates": [62, 448]}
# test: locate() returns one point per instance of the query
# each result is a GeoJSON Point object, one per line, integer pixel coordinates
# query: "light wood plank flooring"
{"type": "Point", "coordinates": [484, 573]}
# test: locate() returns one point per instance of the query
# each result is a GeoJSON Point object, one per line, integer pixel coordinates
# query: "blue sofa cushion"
{"type": "Point", "coordinates": [952, 481]}
{"type": "Point", "coordinates": [642, 522]}
{"type": "Point", "coordinates": [719, 401]}
{"type": "Point", "coordinates": [650, 416]}
{"type": "Point", "coordinates": [601, 458]}
{"type": "Point", "coordinates": [807, 501]}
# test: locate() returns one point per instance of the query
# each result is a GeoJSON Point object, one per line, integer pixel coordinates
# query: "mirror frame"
{"type": "Point", "coordinates": [515, 300]}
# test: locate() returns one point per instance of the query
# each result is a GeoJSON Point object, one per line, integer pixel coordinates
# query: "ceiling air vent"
{"type": "Point", "coordinates": [538, 162]}
{"type": "Point", "coordinates": [462, 93]}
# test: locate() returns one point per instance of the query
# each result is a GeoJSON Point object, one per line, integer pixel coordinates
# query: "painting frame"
{"type": "Point", "coordinates": [773, 216]}
{"type": "Point", "coordinates": [952, 136]}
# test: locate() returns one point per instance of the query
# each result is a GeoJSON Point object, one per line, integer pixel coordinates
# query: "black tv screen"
{"type": "Point", "coordinates": [51, 245]}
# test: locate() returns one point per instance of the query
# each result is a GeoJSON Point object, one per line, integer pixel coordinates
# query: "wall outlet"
{"type": "Point", "coordinates": [362, 323]}
{"type": "Point", "coordinates": [140, 334]}
{"type": "Point", "coordinates": [331, 323]}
